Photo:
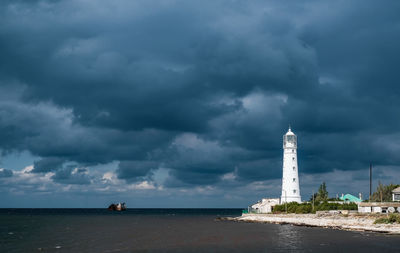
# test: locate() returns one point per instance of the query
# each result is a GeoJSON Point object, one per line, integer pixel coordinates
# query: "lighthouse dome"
{"type": "Point", "coordinates": [289, 132]}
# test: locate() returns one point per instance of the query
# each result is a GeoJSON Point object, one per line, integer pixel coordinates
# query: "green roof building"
{"type": "Point", "coordinates": [350, 198]}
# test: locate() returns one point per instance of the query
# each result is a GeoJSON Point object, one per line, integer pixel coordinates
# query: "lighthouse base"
{"type": "Point", "coordinates": [288, 199]}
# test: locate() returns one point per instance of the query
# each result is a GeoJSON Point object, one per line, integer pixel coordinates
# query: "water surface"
{"type": "Point", "coordinates": [170, 230]}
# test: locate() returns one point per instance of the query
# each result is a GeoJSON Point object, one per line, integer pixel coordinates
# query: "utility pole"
{"type": "Point", "coordinates": [313, 201]}
{"type": "Point", "coordinates": [370, 181]}
{"type": "Point", "coordinates": [285, 202]}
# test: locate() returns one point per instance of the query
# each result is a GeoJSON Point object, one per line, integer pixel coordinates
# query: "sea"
{"type": "Point", "coordinates": [171, 230]}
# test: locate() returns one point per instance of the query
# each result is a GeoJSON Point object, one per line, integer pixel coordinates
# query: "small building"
{"type": "Point", "coordinates": [264, 206]}
{"type": "Point", "coordinates": [396, 194]}
{"type": "Point", "coordinates": [378, 207]}
{"type": "Point", "coordinates": [348, 198]}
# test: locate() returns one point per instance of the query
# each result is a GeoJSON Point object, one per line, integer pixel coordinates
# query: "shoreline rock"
{"type": "Point", "coordinates": [354, 222]}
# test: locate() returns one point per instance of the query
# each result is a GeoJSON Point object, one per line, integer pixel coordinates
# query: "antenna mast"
{"type": "Point", "coordinates": [370, 181]}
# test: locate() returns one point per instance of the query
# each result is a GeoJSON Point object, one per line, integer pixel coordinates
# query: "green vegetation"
{"type": "Point", "coordinates": [392, 218]}
{"type": "Point", "coordinates": [306, 207]}
{"type": "Point", "coordinates": [293, 207]}
{"type": "Point", "coordinates": [320, 201]}
{"type": "Point", "coordinates": [321, 195]}
{"type": "Point", "coordinates": [383, 193]}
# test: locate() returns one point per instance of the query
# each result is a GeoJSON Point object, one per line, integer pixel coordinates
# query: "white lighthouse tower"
{"type": "Point", "coordinates": [290, 178]}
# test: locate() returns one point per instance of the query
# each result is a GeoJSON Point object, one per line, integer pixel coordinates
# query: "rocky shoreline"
{"type": "Point", "coordinates": [353, 222]}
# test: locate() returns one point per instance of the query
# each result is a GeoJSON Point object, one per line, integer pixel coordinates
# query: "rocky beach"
{"type": "Point", "coordinates": [352, 222]}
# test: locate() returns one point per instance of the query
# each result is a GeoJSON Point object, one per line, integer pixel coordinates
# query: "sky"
{"type": "Point", "coordinates": [176, 103]}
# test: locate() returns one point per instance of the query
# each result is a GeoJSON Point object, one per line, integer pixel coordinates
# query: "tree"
{"type": "Point", "coordinates": [383, 192]}
{"type": "Point", "coordinates": [322, 194]}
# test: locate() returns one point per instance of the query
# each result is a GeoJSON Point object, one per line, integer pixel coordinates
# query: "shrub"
{"type": "Point", "coordinates": [306, 207]}
{"type": "Point", "coordinates": [383, 192]}
{"type": "Point", "coordinates": [381, 221]}
{"type": "Point", "coordinates": [392, 218]}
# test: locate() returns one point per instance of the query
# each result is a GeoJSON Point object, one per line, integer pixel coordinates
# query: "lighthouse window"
{"type": "Point", "coordinates": [294, 168]}
{"type": "Point", "coordinates": [293, 158]}
{"type": "Point", "coordinates": [294, 179]}
{"type": "Point", "coordinates": [294, 191]}
{"type": "Point", "coordinates": [292, 150]}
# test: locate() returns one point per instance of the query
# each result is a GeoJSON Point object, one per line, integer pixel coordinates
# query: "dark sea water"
{"type": "Point", "coordinates": [170, 230]}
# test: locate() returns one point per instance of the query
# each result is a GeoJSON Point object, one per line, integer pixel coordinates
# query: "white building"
{"type": "Point", "coordinates": [290, 178]}
{"type": "Point", "coordinates": [396, 194]}
{"type": "Point", "coordinates": [264, 206]}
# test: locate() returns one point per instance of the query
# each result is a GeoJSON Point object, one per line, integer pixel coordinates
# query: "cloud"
{"type": "Point", "coordinates": [48, 164]}
{"type": "Point", "coordinates": [135, 170]}
{"type": "Point", "coordinates": [150, 85]}
{"type": "Point", "coordinates": [71, 175]}
{"type": "Point", "coordinates": [6, 173]}
{"type": "Point", "coordinates": [145, 185]}
{"type": "Point", "coordinates": [193, 160]}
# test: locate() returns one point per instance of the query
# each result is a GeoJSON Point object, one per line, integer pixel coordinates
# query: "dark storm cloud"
{"type": "Point", "coordinates": [258, 169]}
{"type": "Point", "coordinates": [48, 164]}
{"type": "Point", "coordinates": [135, 170]}
{"type": "Point", "coordinates": [6, 173]}
{"type": "Point", "coordinates": [71, 175]}
{"type": "Point", "coordinates": [202, 89]}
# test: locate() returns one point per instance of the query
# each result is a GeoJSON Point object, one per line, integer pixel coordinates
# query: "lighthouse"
{"type": "Point", "coordinates": [290, 177]}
